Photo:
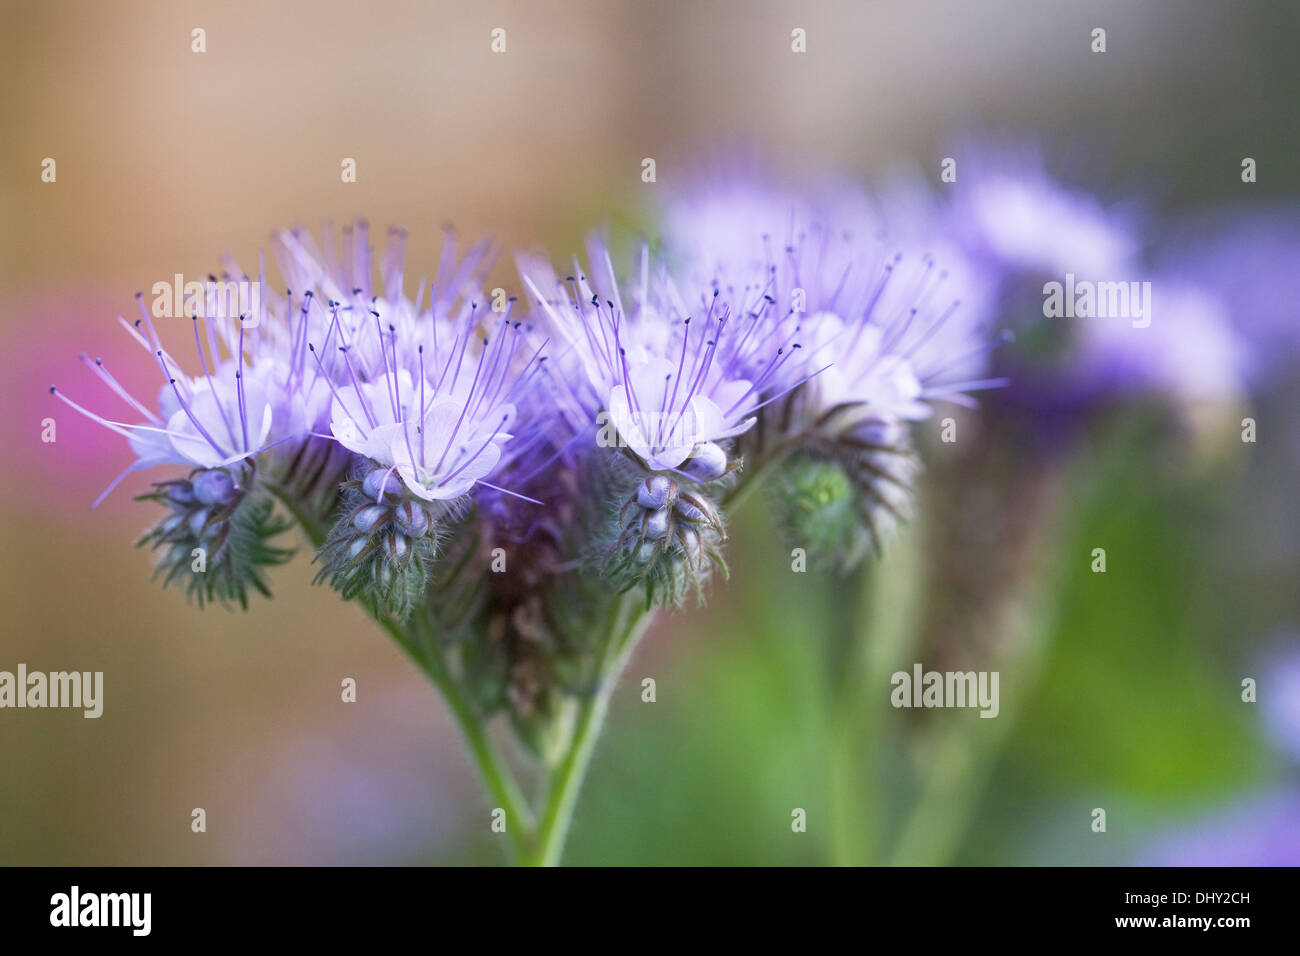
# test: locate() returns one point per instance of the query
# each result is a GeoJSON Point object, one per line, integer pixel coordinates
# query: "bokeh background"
{"type": "Point", "coordinates": [1124, 688]}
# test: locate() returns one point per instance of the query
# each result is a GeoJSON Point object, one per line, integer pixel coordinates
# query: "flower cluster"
{"type": "Point", "coordinates": [499, 471]}
{"type": "Point", "coordinates": [512, 485]}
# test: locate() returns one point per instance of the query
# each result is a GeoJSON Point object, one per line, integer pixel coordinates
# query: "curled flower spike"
{"type": "Point", "coordinates": [270, 383]}
{"type": "Point", "coordinates": [669, 537]}
{"type": "Point", "coordinates": [215, 540]}
{"type": "Point", "coordinates": [382, 547]}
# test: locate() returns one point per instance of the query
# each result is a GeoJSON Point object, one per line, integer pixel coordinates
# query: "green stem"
{"type": "Point", "coordinates": [492, 768]}
{"type": "Point", "coordinates": [626, 627]}
{"type": "Point", "coordinates": [966, 751]}
{"type": "Point", "coordinates": [863, 738]}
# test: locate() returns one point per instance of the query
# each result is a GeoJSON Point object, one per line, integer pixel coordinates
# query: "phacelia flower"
{"type": "Point", "coordinates": [670, 378]}
{"type": "Point", "coordinates": [1034, 233]}
{"type": "Point", "coordinates": [1015, 219]}
{"type": "Point", "coordinates": [880, 328]}
{"type": "Point", "coordinates": [885, 325]}
{"type": "Point", "coordinates": [325, 378]}
{"type": "Point", "coordinates": [1245, 260]}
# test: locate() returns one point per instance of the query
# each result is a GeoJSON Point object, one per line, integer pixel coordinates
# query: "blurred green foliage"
{"type": "Point", "coordinates": [1137, 710]}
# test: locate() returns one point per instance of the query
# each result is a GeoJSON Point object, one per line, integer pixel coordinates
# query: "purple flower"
{"type": "Point", "coordinates": [886, 325]}
{"type": "Point", "coordinates": [1169, 335]}
{"type": "Point", "coordinates": [1247, 259]}
{"type": "Point", "coordinates": [672, 380]}
{"type": "Point", "coordinates": [1188, 352]}
{"type": "Point", "coordinates": [219, 417]}
{"type": "Point", "coordinates": [1264, 831]}
{"type": "Point", "coordinates": [330, 354]}
{"type": "Point", "coordinates": [1280, 699]}
{"type": "Point", "coordinates": [1016, 220]}
{"type": "Point", "coordinates": [425, 392]}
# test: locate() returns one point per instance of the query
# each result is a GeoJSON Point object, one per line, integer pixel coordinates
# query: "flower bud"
{"type": "Point", "coordinates": [397, 547]}
{"type": "Point", "coordinates": [228, 518]}
{"type": "Point", "coordinates": [839, 508]}
{"type": "Point", "coordinates": [707, 463]}
{"type": "Point", "coordinates": [667, 541]}
{"type": "Point", "coordinates": [381, 478]}
{"type": "Point", "coordinates": [197, 521]}
{"type": "Point", "coordinates": [381, 553]}
{"type": "Point", "coordinates": [214, 487]}
{"type": "Point", "coordinates": [369, 517]}
{"type": "Point", "coordinates": [656, 526]}
{"type": "Point", "coordinates": [412, 519]}
{"type": "Point", "coordinates": [656, 492]}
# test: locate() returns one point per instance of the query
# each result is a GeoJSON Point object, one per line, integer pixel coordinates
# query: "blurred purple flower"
{"type": "Point", "coordinates": [1249, 260]}
{"type": "Point", "coordinates": [1030, 230]}
{"type": "Point", "coordinates": [891, 317]}
{"type": "Point", "coordinates": [1279, 697]}
{"type": "Point", "coordinates": [1264, 831]}
{"type": "Point", "coordinates": [1012, 216]}
{"type": "Point", "coordinates": [1187, 353]}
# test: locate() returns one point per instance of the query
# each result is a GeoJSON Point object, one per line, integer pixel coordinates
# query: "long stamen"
{"type": "Point", "coordinates": [190, 414]}
{"type": "Point", "coordinates": [464, 410]}
{"type": "Point", "coordinates": [472, 457]}
{"type": "Point", "coordinates": [211, 385]}
{"type": "Point", "coordinates": [492, 393]}
{"type": "Point", "coordinates": [507, 491]}
{"type": "Point", "coordinates": [681, 364]}
{"type": "Point", "coordinates": [528, 371]}
{"type": "Point", "coordinates": [387, 377]}
{"type": "Point", "coordinates": [420, 426]}
{"type": "Point", "coordinates": [98, 368]}
{"type": "Point", "coordinates": [239, 385]}
{"type": "Point", "coordinates": [120, 428]}
{"type": "Point", "coordinates": [356, 387]}
{"type": "Point", "coordinates": [311, 348]}
{"type": "Point", "coordinates": [406, 433]}
{"type": "Point", "coordinates": [785, 392]}
{"type": "Point", "coordinates": [111, 485]}
{"type": "Point", "coordinates": [777, 361]}
{"type": "Point", "coordinates": [469, 328]}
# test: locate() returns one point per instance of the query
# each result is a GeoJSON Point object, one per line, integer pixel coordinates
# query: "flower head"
{"type": "Point", "coordinates": [294, 394]}
{"type": "Point", "coordinates": [1170, 335]}
{"type": "Point", "coordinates": [223, 415]}
{"type": "Point", "coordinates": [1014, 218]}
{"type": "Point", "coordinates": [671, 379]}
{"type": "Point", "coordinates": [1245, 260]}
{"type": "Point", "coordinates": [885, 326]}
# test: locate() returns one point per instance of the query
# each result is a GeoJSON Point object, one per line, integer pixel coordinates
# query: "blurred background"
{"type": "Point", "coordinates": [1120, 691]}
